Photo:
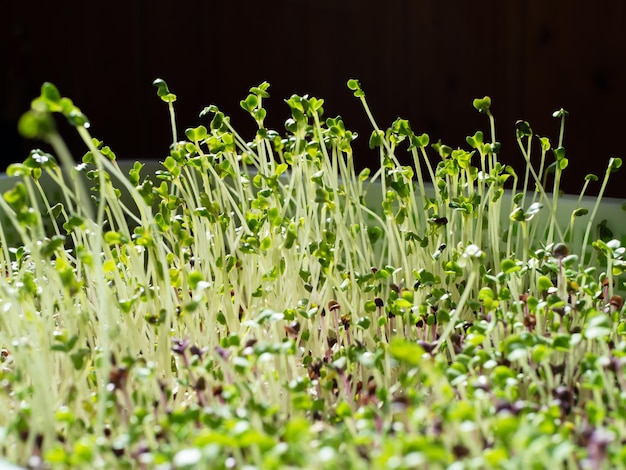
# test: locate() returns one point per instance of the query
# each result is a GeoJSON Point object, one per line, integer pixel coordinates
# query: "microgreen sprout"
{"type": "Point", "coordinates": [258, 303]}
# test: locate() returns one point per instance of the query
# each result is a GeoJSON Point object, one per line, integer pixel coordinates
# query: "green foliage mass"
{"type": "Point", "coordinates": [258, 303]}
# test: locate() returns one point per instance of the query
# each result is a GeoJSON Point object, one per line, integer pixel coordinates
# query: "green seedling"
{"type": "Point", "coordinates": [258, 303]}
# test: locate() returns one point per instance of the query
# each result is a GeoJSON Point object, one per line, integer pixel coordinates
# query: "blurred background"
{"type": "Point", "coordinates": [422, 60]}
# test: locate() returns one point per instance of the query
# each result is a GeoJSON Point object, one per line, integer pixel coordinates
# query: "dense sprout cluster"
{"type": "Point", "coordinates": [258, 303]}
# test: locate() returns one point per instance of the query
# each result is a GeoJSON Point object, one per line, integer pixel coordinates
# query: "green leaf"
{"type": "Point", "coordinates": [420, 140]}
{"type": "Point", "coordinates": [559, 153]}
{"type": "Point", "coordinates": [261, 90]}
{"type": "Point", "coordinates": [74, 222]}
{"type": "Point", "coordinates": [615, 164]}
{"type": "Point", "coordinates": [509, 266]}
{"type": "Point", "coordinates": [598, 326]}
{"type": "Point", "coordinates": [259, 114]}
{"type": "Point", "coordinates": [355, 86]}
{"type": "Point", "coordinates": [76, 118]}
{"type": "Point", "coordinates": [163, 91]}
{"type": "Point", "coordinates": [376, 139]}
{"type": "Point", "coordinates": [523, 129]}
{"type": "Point", "coordinates": [343, 410]}
{"type": "Point", "coordinates": [545, 143]}
{"type": "Point", "coordinates": [562, 342]}
{"type": "Point", "coordinates": [406, 351]}
{"type": "Point", "coordinates": [78, 358]}
{"type": "Point", "coordinates": [196, 134]}
{"type": "Point", "coordinates": [488, 298]}
{"type": "Point", "coordinates": [52, 245]}
{"type": "Point", "coordinates": [482, 104]}
{"type": "Point", "coordinates": [476, 140]}
{"type": "Point", "coordinates": [35, 124]}
{"type": "Point", "coordinates": [211, 109]}
{"type": "Point", "coordinates": [544, 283]}
{"type": "Point", "coordinates": [249, 103]}
{"type": "Point", "coordinates": [519, 215]}
{"type": "Point", "coordinates": [17, 195]}
{"type": "Point", "coordinates": [57, 455]}
{"type": "Point", "coordinates": [169, 163]}
{"type": "Point", "coordinates": [39, 159]}
{"type": "Point", "coordinates": [194, 279]}
{"type": "Point", "coordinates": [50, 92]}
{"type": "Point", "coordinates": [540, 353]}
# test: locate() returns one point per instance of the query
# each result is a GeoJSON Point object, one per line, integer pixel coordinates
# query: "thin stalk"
{"type": "Point", "coordinates": [595, 210]}
{"type": "Point", "coordinates": [458, 309]}
{"type": "Point", "coordinates": [544, 195]}
{"type": "Point", "coordinates": [82, 195]}
{"type": "Point", "coordinates": [170, 107]}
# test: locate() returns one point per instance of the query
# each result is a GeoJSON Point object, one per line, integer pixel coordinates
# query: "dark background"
{"type": "Point", "coordinates": [423, 60]}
